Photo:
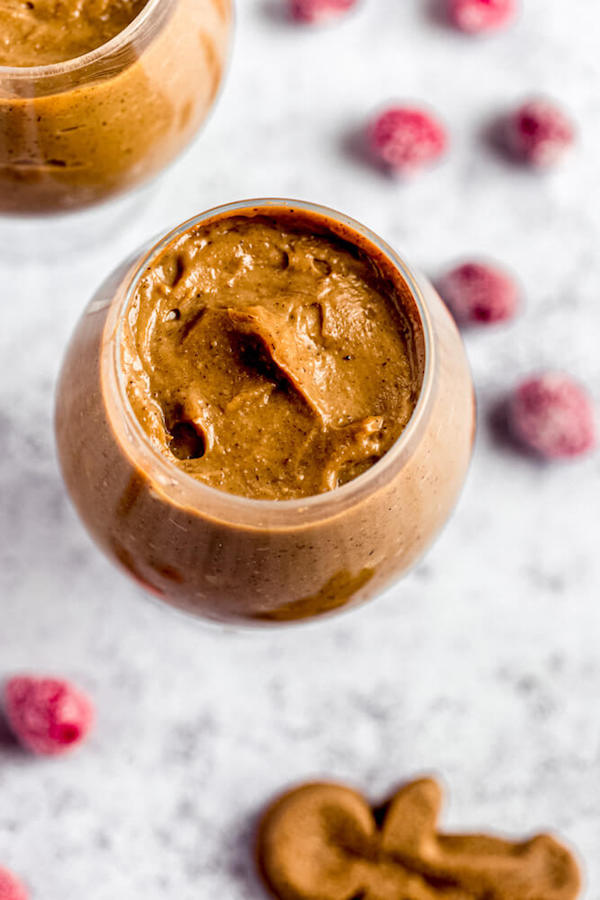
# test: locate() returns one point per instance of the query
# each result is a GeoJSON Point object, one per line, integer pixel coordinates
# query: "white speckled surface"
{"type": "Point", "coordinates": [484, 664]}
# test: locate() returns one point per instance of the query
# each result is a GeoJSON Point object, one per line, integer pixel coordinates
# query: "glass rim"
{"type": "Point", "coordinates": [284, 510]}
{"type": "Point", "coordinates": [30, 73]}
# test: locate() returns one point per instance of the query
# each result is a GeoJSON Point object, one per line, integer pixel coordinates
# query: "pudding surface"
{"type": "Point", "coordinates": [269, 357]}
{"type": "Point", "coordinates": [43, 32]}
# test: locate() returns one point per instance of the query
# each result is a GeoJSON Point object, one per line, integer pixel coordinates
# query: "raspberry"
{"type": "Point", "coordinates": [48, 716]}
{"type": "Point", "coordinates": [407, 139]}
{"type": "Point", "coordinates": [316, 11]}
{"type": "Point", "coordinates": [10, 887]}
{"type": "Point", "coordinates": [538, 133]}
{"type": "Point", "coordinates": [478, 292]}
{"type": "Point", "coordinates": [552, 415]}
{"type": "Point", "coordinates": [478, 16]}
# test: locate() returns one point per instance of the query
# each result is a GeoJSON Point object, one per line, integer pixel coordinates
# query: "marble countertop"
{"type": "Point", "coordinates": [483, 665]}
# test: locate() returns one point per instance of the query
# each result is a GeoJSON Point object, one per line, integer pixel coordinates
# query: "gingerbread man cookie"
{"type": "Point", "coordinates": [322, 842]}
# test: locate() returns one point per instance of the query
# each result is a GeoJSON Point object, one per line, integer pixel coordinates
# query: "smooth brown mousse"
{"type": "Point", "coordinates": [75, 134]}
{"type": "Point", "coordinates": [206, 551]}
{"type": "Point", "coordinates": [42, 32]}
{"type": "Point", "coordinates": [323, 842]}
{"type": "Point", "coordinates": [270, 357]}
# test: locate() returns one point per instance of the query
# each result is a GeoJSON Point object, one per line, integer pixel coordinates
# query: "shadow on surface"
{"type": "Point", "coordinates": [436, 11]}
{"type": "Point", "coordinates": [498, 421]}
{"type": "Point", "coordinates": [277, 11]}
{"type": "Point", "coordinates": [354, 144]}
{"type": "Point", "coordinates": [493, 139]}
{"type": "Point", "coordinates": [242, 863]}
{"type": "Point", "coordinates": [9, 746]}
{"type": "Point", "coordinates": [52, 239]}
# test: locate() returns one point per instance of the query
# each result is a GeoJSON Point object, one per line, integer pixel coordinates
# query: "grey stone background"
{"type": "Point", "coordinates": [483, 665]}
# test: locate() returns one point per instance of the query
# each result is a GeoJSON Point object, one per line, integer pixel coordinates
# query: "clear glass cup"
{"type": "Point", "coordinates": [77, 132]}
{"type": "Point", "coordinates": [233, 559]}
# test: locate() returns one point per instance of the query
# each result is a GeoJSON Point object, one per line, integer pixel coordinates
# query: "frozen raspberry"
{"type": "Point", "coordinates": [479, 293]}
{"type": "Point", "coordinates": [47, 715]}
{"type": "Point", "coordinates": [407, 139]}
{"type": "Point", "coordinates": [552, 414]}
{"type": "Point", "coordinates": [538, 133]}
{"type": "Point", "coordinates": [10, 887]}
{"type": "Point", "coordinates": [317, 11]}
{"type": "Point", "coordinates": [478, 16]}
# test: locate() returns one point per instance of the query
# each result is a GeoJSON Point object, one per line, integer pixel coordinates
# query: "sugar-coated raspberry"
{"type": "Point", "coordinates": [48, 715]}
{"type": "Point", "coordinates": [538, 133]}
{"type": "Point", "coordinates": [10, 886]}
{"type": "Point", "coordinates": [479, 293]}
{"type": "Point", "coordinates": [552, 415]}
{"type": "Point", "coordinates": [407, 139]}
{"type": "Point", "coordinates": [479, 16]}
{"type": "Point", "coordinates": [316, 11]}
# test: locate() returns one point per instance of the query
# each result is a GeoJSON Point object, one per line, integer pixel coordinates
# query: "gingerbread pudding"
{"type": "Point", "coordinates": [267, 417]}
{"type": "Point", "coordinates": [97, 96]}
{"type": "Point", "coordinates": [269, 357]}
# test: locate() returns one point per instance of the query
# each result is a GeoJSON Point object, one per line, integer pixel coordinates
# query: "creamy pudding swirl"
{"type": "Point", "coordinates": [42, 32]}
{"type": "Point", "coordinates": [268, 357]}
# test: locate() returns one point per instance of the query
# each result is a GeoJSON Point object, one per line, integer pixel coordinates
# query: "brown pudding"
{"type": "Point", "coordinates": [270, 357]}
{"type": "Point", "coordinates": [75, 129]}
{"type": "Point", "coordinates": [42, 32]}
{"type": "Point", "coordinates": [197, 346]}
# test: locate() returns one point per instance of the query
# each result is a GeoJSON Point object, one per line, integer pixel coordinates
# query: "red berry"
{"type": "Point", "coordinates": [10, 887]}
{"type": "Point", "coordinates": [539, 133]}
{"type": "Point", "coordinates": [316, 11]}
{"type": "Point", "coordinates": [407, 139]}
{"type": "Point", "coordinates": [479, 293]}
{"type": "Point", "coordinates": [48, 716]}
{"type": "Point", "coordinates": [477, 16]}
{"type": "Point", "coordinates": [553, 415]}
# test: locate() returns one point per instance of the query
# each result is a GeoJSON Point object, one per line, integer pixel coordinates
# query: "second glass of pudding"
{"type": "Point", "coordinates": [97, 96]}
{"type": "Point", "coordinates": [266, 416]}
